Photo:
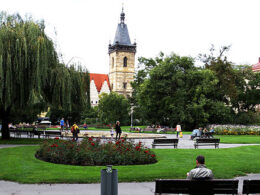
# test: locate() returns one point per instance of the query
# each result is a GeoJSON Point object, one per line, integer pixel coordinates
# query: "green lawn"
{"type": "Point", "coordinates": [23, 141]}
{"type": "Point", "coordinates": [19, 164]}
{"type": "Point", "coordinates": [239, 139]}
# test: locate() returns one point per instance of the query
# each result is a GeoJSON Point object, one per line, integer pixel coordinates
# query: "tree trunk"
{"type": "Point", "coordinates": [5, 129]}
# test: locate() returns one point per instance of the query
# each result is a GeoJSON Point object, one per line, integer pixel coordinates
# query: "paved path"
{"type": "Point", "coordinates": [186, 143]}
{"type": "Point", "coordinates": [144, 188]}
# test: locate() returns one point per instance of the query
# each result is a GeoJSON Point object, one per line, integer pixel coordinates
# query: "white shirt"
{"type": "Point", "coordinates": [178, 128]}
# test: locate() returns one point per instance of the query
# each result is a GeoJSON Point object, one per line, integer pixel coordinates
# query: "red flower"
{"type": "Point", "coordinates": [56, 138]}
{"type": "Point", "coordinates": [54, 145]}
{"type": "Point", "coordinates": [109, 142]}
{"type": "Point", "coordinates": [123, 140]}
{"type": "Point", "coordinates": [140, 143]}
{"type": "Point", "coordinates": [90, 139]}
{"type": "Point", "coordinates": [153, 155]}
{"type": "Point", "coordinates": [137, 148]}
{"type": "Point", "coordinates": [118, 142]}
{"type": "Point", "coordinates": [127, 149]}
{"type": "Point", "coordinates": [92, 143]}
{"type": "Point", "coordinates": [146, 151]}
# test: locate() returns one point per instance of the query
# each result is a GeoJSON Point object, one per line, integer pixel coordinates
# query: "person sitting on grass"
{"type": "Point", "coordinates": [200, 171]}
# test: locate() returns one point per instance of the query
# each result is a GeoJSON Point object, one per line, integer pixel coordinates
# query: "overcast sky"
{"type": "Point", "coordinates": [187, 27]}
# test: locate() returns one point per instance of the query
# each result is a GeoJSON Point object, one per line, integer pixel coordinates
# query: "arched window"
{"type": "Point", "coordinates": [125, 61]}
{"type": "Point", "coordinates": [124, 85]}
{"type": "Point", "coordinates": [113, 61]}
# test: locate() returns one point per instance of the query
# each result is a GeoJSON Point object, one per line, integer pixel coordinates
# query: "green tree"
{"type": "Point", "coordinates": [30, 73]}
{"type": "Point", "coordinates": [217, 62]}
{"type": "Point", "coordinates": [75, 87]}
{"type": "Point", "coordinates": [177, 91]}
{"type": "Point", "coordinates": [238, 86]}
{"type": "Point", "coordinates": [113, 107]}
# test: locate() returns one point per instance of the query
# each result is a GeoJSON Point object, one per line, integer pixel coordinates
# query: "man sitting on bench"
{"type": "Point", "coordinates": [200, 171]}
{"type": "Point", "coordinates": [196, 133]}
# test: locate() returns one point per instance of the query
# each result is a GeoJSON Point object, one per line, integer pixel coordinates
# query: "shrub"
{"type": "Point", "coordinates": [236, 130]}
{"type": "Point", "coordinates": [92, 152]}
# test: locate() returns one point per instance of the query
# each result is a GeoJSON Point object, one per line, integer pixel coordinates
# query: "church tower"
{"type": "Point", "coordinates": [121, 60]}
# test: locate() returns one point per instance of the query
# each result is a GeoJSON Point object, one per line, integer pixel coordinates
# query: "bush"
{"type": "Point", "coordinates": [92, 152]}
{"type": "Point", "coordinates": [236, 130]}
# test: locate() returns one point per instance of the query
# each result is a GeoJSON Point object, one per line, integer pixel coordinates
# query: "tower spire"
{"type": "Point", "coordinates": [122, 16]}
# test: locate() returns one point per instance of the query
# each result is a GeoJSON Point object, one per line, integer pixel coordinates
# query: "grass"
{"type": "Point", "coordinates": [24, 141]}
{"type": "Point", "coordinates": [19, 164]}
{"type": "Point", "coordinates": [239, 139]}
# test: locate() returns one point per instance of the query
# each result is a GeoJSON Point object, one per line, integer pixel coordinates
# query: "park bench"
{"type": "Point", "coordinates": [48, 134]}
{"type": "Point", "coordinates": [251, 186]}
{"type": "Point", "coordinates": [198, 187]}
{"type": "Point", "coordinates": [149, 129]}
{"type": "Point", "coordinates": [132, 129]}
{"type": "Point", "coordinates": [206, 142]}
{"type": "Point", "coordinates": [169, 129]}
{"type": "Point", "coordinates": [165, 142]}
{"type": "Point", "coordinates": [18, 132]}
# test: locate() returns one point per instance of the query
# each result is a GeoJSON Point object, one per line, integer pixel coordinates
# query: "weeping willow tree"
{"type": "Point", "coordinates": [74, 83]}
{"type": "Point", "coordinates": [30, 72]}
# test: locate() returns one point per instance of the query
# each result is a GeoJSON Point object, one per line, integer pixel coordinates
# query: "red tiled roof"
{"type": "Point", "coordinates": [99, 80]}
{"type": "Point", "coordinates": [256, 67]}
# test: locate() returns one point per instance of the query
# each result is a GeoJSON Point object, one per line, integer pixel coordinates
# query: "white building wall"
{"type": "Point", "coordinates": [105, 88]}
{"type": "Point", "coordinates": [93, 94]}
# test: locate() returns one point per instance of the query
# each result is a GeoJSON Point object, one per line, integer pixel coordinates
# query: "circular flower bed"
{"type": "Point", "coordinates": [92, 152]}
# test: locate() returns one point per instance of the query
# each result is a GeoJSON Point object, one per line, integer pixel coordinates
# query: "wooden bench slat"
{"type": "Point", "coordinates": [196, 186]}
{"type": "Point", "coordinates": [251, 186]}
{"type": "Point", "coordinates": [165, 142]}
{"type": "Point", "coordinates": [206, 141]}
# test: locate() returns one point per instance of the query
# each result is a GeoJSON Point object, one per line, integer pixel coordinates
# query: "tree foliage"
{"type": "Point", "coordinates": [171, 89]}
{"type": "Point", "coordinates": [174, 90]}
{"type": "Point", "coordinates": [30, 73]}
{"type": "Point", "coordinates": [113, 107]}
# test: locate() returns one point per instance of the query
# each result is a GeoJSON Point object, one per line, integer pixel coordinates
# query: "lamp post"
{"type": "Point", "coordinates": [132, 111]}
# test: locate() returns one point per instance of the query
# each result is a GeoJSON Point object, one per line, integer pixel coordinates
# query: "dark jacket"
{"type": "Point", "coordinates": [118, 129]}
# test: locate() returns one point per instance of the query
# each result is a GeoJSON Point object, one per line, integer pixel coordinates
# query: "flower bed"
{"type": "Point", "coordinates": [236, 130]}
{"type": "Point", "coordinates": [92, 152]}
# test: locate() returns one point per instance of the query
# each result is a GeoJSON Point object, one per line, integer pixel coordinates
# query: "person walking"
{"type": "Point", "coordinates": [67, 125]}
{"type": "Point", "coordinates": [178, 129]}
{"type": "Point", "coordinates": [62, 124]}
{"type": "Point", "coordinates": [200, 171]}
{"type": "Point", "coordinates": [118, 130]}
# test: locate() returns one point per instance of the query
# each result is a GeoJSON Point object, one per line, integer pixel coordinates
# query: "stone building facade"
{"type": "Point", "coordinates": [121, 66]}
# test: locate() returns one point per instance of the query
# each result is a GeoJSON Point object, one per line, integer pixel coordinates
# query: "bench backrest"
{"type": "Point", "coordinates": [149, 129]}
{"type": "Point", "coordinates": [52, 132]}
{"type": "Point", "coordinates": [162, 141]}
{"type": "Point", "coordinates": [207, 140]}
{"type": "Point", "coordinates": [251, 186]}
{"type": "Point", "coordinates": [215, 186]}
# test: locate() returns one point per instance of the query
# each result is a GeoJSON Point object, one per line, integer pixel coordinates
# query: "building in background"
{"type": "Point", "coordinates": [256, 67]}
{"type": "Point", "coordinates": [121, 66]}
